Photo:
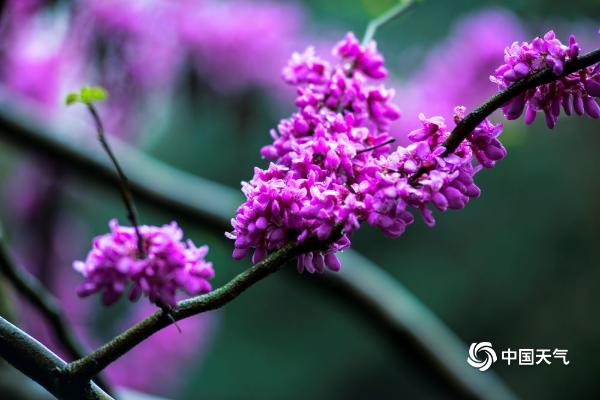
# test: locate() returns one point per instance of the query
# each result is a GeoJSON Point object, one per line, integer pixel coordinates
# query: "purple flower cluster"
{"type": "Point", "coordinates": [422, 174]}
{"type": "Point", "coordinates": [332, 163]}
{"type": "Point", "coordinates": [318, 154]}
{"type": "Point", "coordinates": [168, 264]}
{"type": "Point", "coordinates": [573, 92]}
{"type": "Point", "coordinates": [164, 355]}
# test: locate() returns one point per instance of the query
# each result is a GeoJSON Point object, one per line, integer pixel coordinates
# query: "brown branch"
{"type": "Point", "coordinates": [467, 125]}
{"type": "Point", "coordinates": [91, 365]}
{"type": "Point", "coordinates": [43, 366]}
{"type": "Point", "coordinates": [32, 289]}
{"type": "Point", "coordinates": [473, 119]}
{"type": "Point", "coordinates": [175, 195]}
{"type": "Point", "coordinates": [211, 204]}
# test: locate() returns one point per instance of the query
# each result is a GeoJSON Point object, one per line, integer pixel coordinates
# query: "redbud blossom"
{"type": "Point", "coordinates": [332, 162]}
{"type": "Point", "coordinates": [573, 92]}
{"type": "Point", "coordinates": [168, 265]}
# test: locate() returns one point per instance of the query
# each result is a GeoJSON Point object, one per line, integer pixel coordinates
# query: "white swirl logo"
{"type": "Point", "coordinates": [479, 349]}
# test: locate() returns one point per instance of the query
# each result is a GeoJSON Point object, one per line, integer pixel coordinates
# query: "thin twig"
{"type": "Point", "coordinates": [29, 287]}
{"type": "Point", "coordinates": [43, 366]}
{"type": "Point", "coordinates": [124, 185]}
{"type": "Point", "coordinates": [390, 15]}
{"type": "Point", "coordinates": [390, 141]}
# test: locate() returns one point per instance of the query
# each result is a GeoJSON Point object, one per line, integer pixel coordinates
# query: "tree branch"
{"type": "Point", "coordinates": [411, 328]}
{"type": "Point", "coordinates": [33, 290]}
{"type": "Point", "coordinates": [43, 366]}
{"type": "Point", "coordinates": [30, 288]}
{"type": "Point", "coordinates": [36, 361]}
{"type": "Point", "coordinates": [151, 180]}
{"type": "Point", "coordinates": [91, 365]}
{"type": "Point", "coordinates": [216, 206]}
{"type": "Point", "coordinates": [473, 119]}
{"type": "Point", "coordinates": [211, 205]}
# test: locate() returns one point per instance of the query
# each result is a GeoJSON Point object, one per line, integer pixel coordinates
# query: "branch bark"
{"type": "Point", "coordinates": [43, 366]}
{"type": "Point", "coordinates": [91, 365]}
{"type": "Point", "coordinates": [33, 290]}
{"type": "Point", "coordinates": [170, 189]}
{"type": "Point", "coordinates": [213, 204]}
{"type": "Point", "coordinates": [474, 118]}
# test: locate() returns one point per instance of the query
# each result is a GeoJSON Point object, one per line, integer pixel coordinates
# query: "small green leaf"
{"type": "Point", "coordinates": [84, 93]}
{"type": "Point", "coordinates": [91, 94]}
{"type": "Point", "coordinates": [72, 98]}
{"type": "Point", "coordinates": [87, 95]}
{"type": "Point", "coordinates": [99, 93]}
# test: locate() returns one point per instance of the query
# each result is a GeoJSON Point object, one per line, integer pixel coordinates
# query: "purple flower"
{"type": "Point", "coordinates": [456, 70]}
{"type": "Point", "coordinates": [332, 162]}
{"type": "Point", "coordinates": [164, 355]}
{"type": "Point", "coordinates": [365, 59]}
{"type": "Point", "coordinates": [33, 55]}
{"type": "Point", "coordinates": [485, 145]}
{"type": "Point", "coordinates": [575, 91]}
{"type": "Point", "coordinates": [340, 125]}
{"type": "Point", "coordinates": [168, 265]}
{"type": "Point", "coordinates": [236, 45]}
{"type": "Point", "coordinates": [421, 175]}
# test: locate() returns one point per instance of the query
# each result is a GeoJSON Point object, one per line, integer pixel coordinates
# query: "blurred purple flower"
{"type": "Point", "coordinates": [47, 51]}
{"type": "Point", "coordinates": [34, 57]}
{"type": "Point", "coordinates": [122, 50]}
{"type": "Point", "coordinates": [156, 365]}
{"type": "Point", "coordinates": [137, 53]}
{"type": "Point", "coordinates": [239, 44]}
{"type": "Point", "coordinates": [456, 71]}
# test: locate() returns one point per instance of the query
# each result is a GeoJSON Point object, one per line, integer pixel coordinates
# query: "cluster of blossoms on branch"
{"type": "Point", "coordinates": [573, 92]}
{"type": "Point", "coordinates": [168, 265]}
{"type": "Point", "coordinates": [333, 163]}
{"type": "Point", "coordinates": [332, 167]}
